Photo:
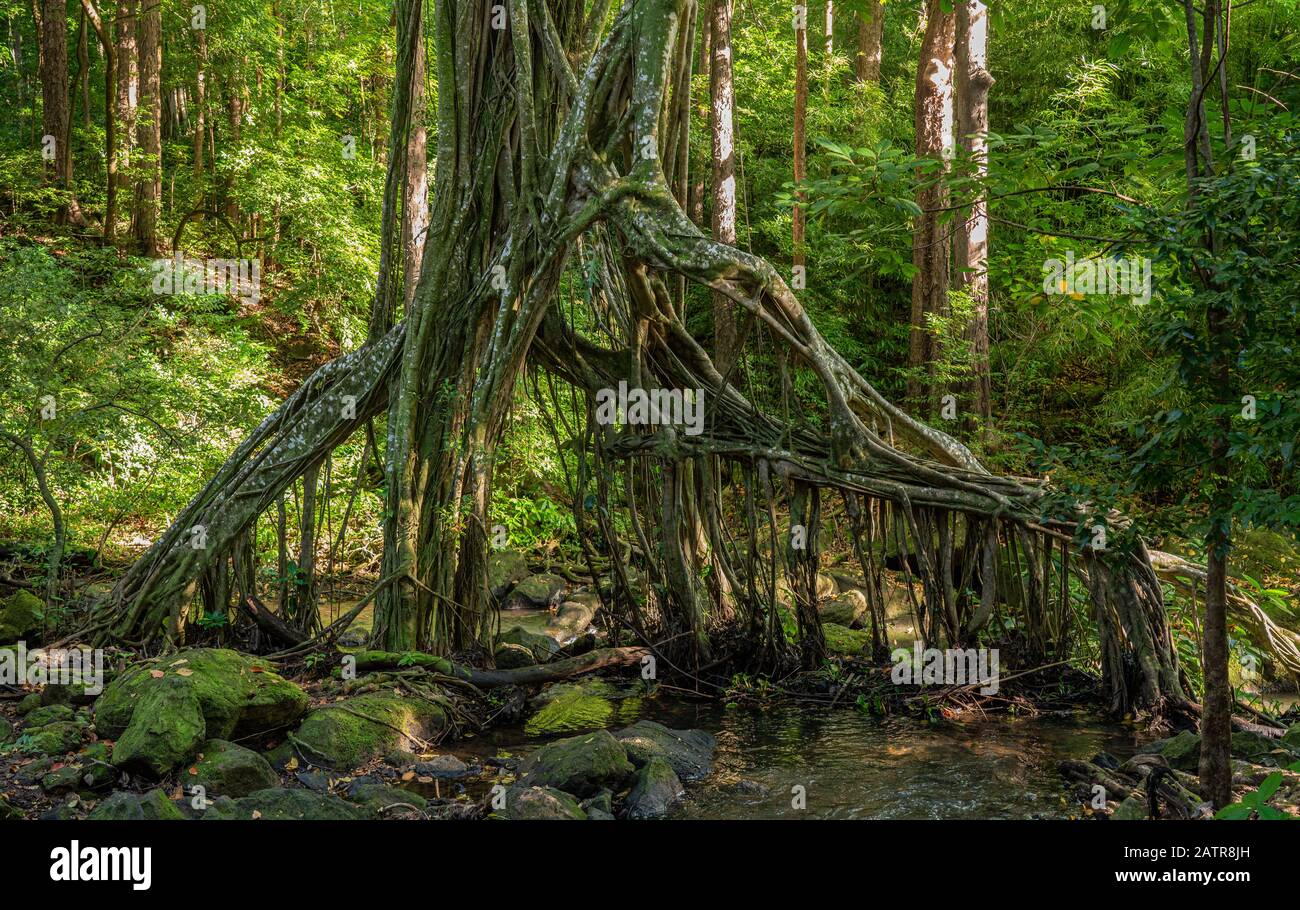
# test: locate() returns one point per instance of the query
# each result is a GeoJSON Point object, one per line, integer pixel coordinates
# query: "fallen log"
{"type": "Point", "coordinates": [271, 624]}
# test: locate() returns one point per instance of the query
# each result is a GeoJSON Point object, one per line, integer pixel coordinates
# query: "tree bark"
{"type": "Point", "coordinates": [406, 188]}
{"type": "Point", "coordinates": [235, 126]}
{"type": "Point", "coordinates": [110, 119]}
{"type": "Point", "coordinates": [972, 235]}
{"type": "Point", "coordinates": [871, 38]}
{"type": "Point", "coordinates": [83, 69]}
{"type": "Point", "coordinates": [723, 98]}
{"type": "Point", "coordinates": [148, 187]}
{"type": "Point", "coordinates": [200, 111]}
{"type": "Point", "coordinates": [127, 87]}
{"type": "Point", "coordinates": [931, 241]}
{"type": "Point", "coordinates": [800, 121]}
{"type": "Point", "coordinates": [1215, 767]}
{"type": "Point", "coordinates": [55, 120]}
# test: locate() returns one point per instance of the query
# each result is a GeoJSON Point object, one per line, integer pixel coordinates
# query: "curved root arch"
{"type": "Point", "coordinates": [533, 161]}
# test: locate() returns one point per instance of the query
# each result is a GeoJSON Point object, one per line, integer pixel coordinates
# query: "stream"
{"type": "Point", "coordinates": [853, 765]}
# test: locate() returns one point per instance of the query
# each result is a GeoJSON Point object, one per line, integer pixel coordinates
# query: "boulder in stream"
{"type": "Point", "coordinates": [586, 704]}
{"type": "Point", "coordinates": [580, 765]}
{"type": "Point", "coordinates": [688, 752]}
{"type": "Point", "coordinates": [536, 592]}
{"type": "Point", "coordinates": [655, 790]}
{"type": "Point", "coordinates": [540, 803]}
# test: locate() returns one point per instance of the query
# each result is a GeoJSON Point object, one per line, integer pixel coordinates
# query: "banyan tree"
{"type": "Point", "coordinates": [561, 149]}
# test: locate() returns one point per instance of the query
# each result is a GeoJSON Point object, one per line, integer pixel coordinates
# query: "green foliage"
{"type": "Point", "coordinates": [1254, 804]}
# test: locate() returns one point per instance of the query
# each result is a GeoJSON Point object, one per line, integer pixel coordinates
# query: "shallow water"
{"type": "Point", "coordinates": [852, 765]}
{"type": "Point", "coordinates": [855, 766]}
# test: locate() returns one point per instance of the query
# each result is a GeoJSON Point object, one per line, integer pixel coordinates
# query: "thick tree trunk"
{"type": "Point", "coordinates": [83, 69]}
{"type": "Point", "coordinates": [931, 241]}
{"type": "Point", "coordinates": [972, 235]}
{"type": "Point", "coordinates": [469, 323]}
{"type": "Point", "coordinates": [1216, 716]}
{"type": "Point", "coordinates": [699, 186]}
{"type": "Point", "coordinates": [148, 187]}
{"type": "Point", "coordinates": [55, 119]}
{"type": "Point", "coordinates": [723, 107]}
{"type": "Point", "coordinates": [518, 182]}
{"type": "Point", "coordinates": [128, 88]}
{"type": "Point", "coordinates": [110, 118]}
{"type": "Point", "coordinates": [200, 111]}
{"type": "Point", "coordinates": [406, 189]}
{"type": "Point", "coordinates": [235, 128]}
{"type": "Point", "coordinates": [800, 121]}
{"type": "Point", "coordinates": [871, 39]}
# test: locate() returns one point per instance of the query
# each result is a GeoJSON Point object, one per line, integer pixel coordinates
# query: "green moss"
{"type": "Point", "coordinates": [580, 765]}
{"type": "Point", "coordinates": [51, 739]}
{"type": "Point", "coordinates": [842, 640]}
{"type": "Point", "coordinates": [284, 805]}
{"type": "Point", "coordinates": [21, 614]}
{"type": "Point", "coordinates": [576, 707]}
{"type": "Point", "coordinates": [238, 695]}
{"type": "Point", "coordinates": [227, 769]}
{"type": "Point", "coordinates": [167, 729]}
{"type": "Point", "coordinates": [350, 733]}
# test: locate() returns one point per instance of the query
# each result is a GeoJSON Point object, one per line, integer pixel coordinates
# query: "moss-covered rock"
{"type": "Point", "coordinates": [350, 733]}
{"type": "Point", "coordinates": [1183, 751]}
{"type": "Point", "coordinates": [29, 703]}
{"type": "Point", "coordinates": [588, 704]}
{"type": "Point", "coordinates": [50, 739]}
{"type": "Point", "coordinates": [506, 568]}
{"type": "Point", "coordinates": [167, 729]}
{"type": "Point", "coordinates": [7, 733]}
{"type": "Point", "coordinates": [239, 696]}
{"type": "Point", "coordinates": [540, 804]}
{"type": "Point", "coordinates": [227, 769]}
{"type": "Point", "coordinates": [97, 770]}
{"type": "Point", "coordinates": [535, 592]}
{"type": "Point", "coordinates": [542, 647]}
{"type": "Point", "coordinates": [61, 780]}
{"type": "Point", "coordinates": [655, 790]}
{"type": "Point", "coordinates": [573, 707]}
{"type": "Point", "coordinates": [284, 805]}
{"type": "Point", "coordinates": [49, 714]}
{"type": "Point", "coordinates": [1253, 747]}
{"type": "Point", "coordinates": [382, 799]}
{"type": "Point", "coordinates": [21, 614]}
{"type": "Point", "coordinates": [845, 641]}
{"type": "Point", "coordinates": [124, 806]}
{"type": "Point", "coordinates": [846, 609]}
{"type": "Point", "coordinates": [688, 752]}
{"type": "Point", "coordinates": [1131, 809]}
{"type": "Point", "coordinates": [511, 657]}
{"type": "Point", "coordinates": [580, 765]}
